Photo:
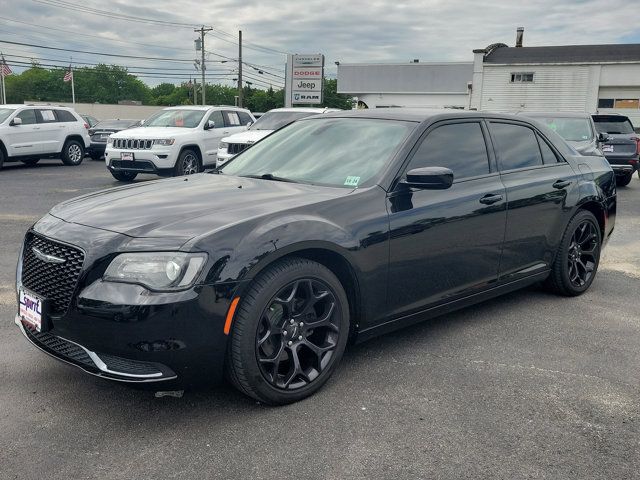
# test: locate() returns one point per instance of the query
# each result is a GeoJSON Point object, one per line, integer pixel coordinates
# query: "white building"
{"type": "Point", "coordinates": [430, 85]}
{"type": "Point", "coordinates": [575, 78]}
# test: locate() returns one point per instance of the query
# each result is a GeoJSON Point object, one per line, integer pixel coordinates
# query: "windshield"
{"type": "Point", "coordinates": [276, 120]}
{"type": "Point", "coordinates": [613, 125]}
{"type": "Point", "coordinates": [341, 152]}
{"type": "Point", "coordinates": [116, 124]}
{"type": "Point", "coordinates": [175, 118]}
{"type": "Point", "coordinates": [571, 129]}
{"type": "Point", "coordinates": [5, 112]}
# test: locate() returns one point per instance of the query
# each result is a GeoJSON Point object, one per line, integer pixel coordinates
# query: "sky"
{"type": "Point", "coordinates": [344, 31]}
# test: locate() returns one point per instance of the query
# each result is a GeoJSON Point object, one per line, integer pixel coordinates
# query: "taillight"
{"type": "Point", "coordinates": [637, 139]}
{"type": "Point", "coordinates": [86, 125]}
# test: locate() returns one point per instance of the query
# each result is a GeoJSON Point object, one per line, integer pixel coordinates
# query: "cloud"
{"type": "Point", "coordinates": [357, 31]}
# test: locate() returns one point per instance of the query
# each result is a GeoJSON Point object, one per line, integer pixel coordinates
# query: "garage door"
{"type": "Point", "coordinates": [625, 101]}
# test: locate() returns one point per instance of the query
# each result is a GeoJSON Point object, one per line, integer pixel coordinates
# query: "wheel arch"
{"type": "Point", "coordinates": [598, 211]}
{"type": "Point", "coordinates": [77, 138]}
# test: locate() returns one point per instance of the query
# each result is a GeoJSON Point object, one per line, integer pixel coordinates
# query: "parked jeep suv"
{"type": "Point", "coordinates": [621, 145]}
{"type": "Point", "coordinates": [175, 141]}
{"type": "Point", "coordinates": [29, 133]}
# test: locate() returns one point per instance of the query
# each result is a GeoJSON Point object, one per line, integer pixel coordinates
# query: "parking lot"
{"type": "Point", "coordinates": [529, 385]}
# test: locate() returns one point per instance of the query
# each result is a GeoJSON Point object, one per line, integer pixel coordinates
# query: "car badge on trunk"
{"type": "Point", "coordinates": [47, 258]}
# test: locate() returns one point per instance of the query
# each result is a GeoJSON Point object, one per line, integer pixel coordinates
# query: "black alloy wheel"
{"type": "Point", "coordinates": [289, 332]}
{"type": "Point", "coordinates": [578, 257]}
{"type": "Point", "coordinates": [297, 334]}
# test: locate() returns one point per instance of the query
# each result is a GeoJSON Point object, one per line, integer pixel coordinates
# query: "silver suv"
{"type": "Point", "coordinates": [29, 133]}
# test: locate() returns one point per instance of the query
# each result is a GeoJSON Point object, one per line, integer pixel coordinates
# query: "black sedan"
{"type": "Point", "coordinates": [334, 229]}
{"type": "Point", "coordinates": [100, 132]}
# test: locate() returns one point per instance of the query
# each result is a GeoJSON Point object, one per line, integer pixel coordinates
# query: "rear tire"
{"type": "Point", "coordinates": [624, 180]}
{"type": "Point", "coordinates": [124, 176]}
{"type": "Point", "coordinates": [578, 256]}
{"type": "Point", "coordinates": [188, 163]}
{"type": "Point", "coordinates": [30, 162]}
{"type": "Point", "coordinates": [72, 153]}
{"type": "Point", "coordinates": [1, 158]}
{"type": "Point", "coordinates": [289, 332]}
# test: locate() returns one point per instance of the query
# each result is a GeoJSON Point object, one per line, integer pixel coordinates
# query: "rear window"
{"type": "Point", "coordinates": [572, 129]}
{"type": "Point", "coordinates": [613, 124]}
{"type": "Point", "coordinates": [65, 116]}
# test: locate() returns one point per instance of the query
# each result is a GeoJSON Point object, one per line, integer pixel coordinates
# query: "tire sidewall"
{"type": "Point", "coordinates": [66, 159]}
{"type": "Point", "coordinates": [564, 252]}
{"type": "Point", "coordinates": [251, 316]}
{"type": "Point", "coordinates": [179, 172]}
{"type": "Point", "coordinates": [624, 180]}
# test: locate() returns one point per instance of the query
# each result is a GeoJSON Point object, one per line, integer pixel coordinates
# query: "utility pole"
{"type": "Point", "coordinates": [202, 31]}
{"type": "Point", "coordinates": [240, 68]}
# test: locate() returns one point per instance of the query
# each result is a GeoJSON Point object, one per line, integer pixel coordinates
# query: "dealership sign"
{"type": "Point", "coordinates": [305, 75]}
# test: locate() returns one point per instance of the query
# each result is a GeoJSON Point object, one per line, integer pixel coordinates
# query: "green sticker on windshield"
{"type": "Point", "coordinates": [352, 181]}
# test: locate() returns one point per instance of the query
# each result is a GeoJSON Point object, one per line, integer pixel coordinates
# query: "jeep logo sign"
{"type": "Point", "coordinates": [304, 81]}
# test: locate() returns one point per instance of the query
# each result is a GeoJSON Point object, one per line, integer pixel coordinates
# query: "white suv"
{"type": "Point", "coordinates": [29, 133]}
{"type": "Point", "coordinates": [175, 141]}
{"type": "Point", "coordinates": [272, 120]}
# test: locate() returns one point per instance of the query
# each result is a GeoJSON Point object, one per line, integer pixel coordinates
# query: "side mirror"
{"type": "Point", "coordinates": [209, 125]}
{"type": "Point", "coordinates": [603, 137]}
{"type": "Point", "coordinates": [429, 178]}
{"type": "Point", "coordinates": [15, 121]}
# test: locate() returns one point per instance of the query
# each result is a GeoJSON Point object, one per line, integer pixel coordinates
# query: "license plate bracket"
{"type": "Point", "coordinates": [33, 310]}
{"type": "Point", "coordinates": [127, 156]}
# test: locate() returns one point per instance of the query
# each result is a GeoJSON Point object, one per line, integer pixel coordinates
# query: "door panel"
{"type": "Point", "coordinates": [445, 244]}
{"type": "Point", "coordinates": [24, 139]}
{"type": "Point", "coordinates": [213, 136]}
{"type": "Point", "coordinates": [52, 133]}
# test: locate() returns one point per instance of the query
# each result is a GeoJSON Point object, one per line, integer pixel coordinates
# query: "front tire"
{"type": "Point", "coordinates": [1, 158]}
{"type": "Point", "coordinates": [624, 180]}
{"type": "Point", "coordinates": [188, 163]}
{"type": "Point", "coordinates": [72, 153]}
{"type": "Point", "coordinates": [124, 176]}
{"type": "Point", "coordinates": [577, 259]}
{"type": "Point", "coordinates": [289, 332]}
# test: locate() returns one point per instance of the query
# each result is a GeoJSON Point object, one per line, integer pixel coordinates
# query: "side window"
{"type": "Point", "coordinates": [216, 117]}
{"type": "Point", "coordinates": [231, 119]}
{"type": "Point", "coordinates": [457, 146]}
{"type": "Point", "coordinates": [516, 146]}
{"type": "Point", "coordinates": [46, 116]}
{"type": "Point", "coordinates": [548, 155]}
{"type": "Point", "coordinates": [65, 116]}
{"type": "Point", "coordinates": [245, 118]}
{"type": "Point", "coordinates": [28, 116]}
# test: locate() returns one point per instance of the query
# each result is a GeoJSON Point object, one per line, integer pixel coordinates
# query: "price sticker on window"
{"type": "Point", "coordinates": [352, 181]}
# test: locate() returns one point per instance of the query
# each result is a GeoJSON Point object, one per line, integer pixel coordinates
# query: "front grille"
{"type": "Point", "coordinates": [235, 148]}
{"type": "Point", "coordinates": [60, 347]}
{"type": "Point", "coordinates": [55, 282]}
{"type": "Point", "coordinates": [138, 165]}
{"type": "Point", "coordinates": [132, 144]}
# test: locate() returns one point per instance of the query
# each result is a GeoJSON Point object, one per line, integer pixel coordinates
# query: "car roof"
{"type": "Point", "coordinates": [203, 107]}
{"type": "Point", "coordinates": [555, 114]}
{"type": "Point", "coordinates": [416, 114]}
{"type": "Point", "coordinates": [29, 105]}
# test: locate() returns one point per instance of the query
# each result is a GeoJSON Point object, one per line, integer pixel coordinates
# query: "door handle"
{"type": "Point", "coordinates": [226, 133]}
{"type": "Point", "coordinates": [561, 184]}
{"type": "Point", "coordinates": [491, 198]}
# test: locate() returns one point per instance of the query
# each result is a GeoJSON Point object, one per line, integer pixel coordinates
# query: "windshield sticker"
{"type": "Point", "coordinates": [352, 181]}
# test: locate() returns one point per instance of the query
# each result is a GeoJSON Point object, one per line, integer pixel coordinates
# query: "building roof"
{"type": "Point", "coordinates": [629, 52]}
{"type": "Point", "coordinates": [359, 78]}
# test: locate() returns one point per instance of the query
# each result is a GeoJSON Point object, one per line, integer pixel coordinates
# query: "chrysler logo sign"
{"type": "Point", "coordinates": [46, 258]}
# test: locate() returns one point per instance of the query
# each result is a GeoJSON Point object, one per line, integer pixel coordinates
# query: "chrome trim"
{"type": "Point", "coordinates": [47, 258]}
{"type": "Point", "coordinates": [153, 377]}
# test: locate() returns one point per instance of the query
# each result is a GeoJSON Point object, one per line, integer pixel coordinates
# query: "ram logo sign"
{"type": "Point", "coordinates": [305, 74]}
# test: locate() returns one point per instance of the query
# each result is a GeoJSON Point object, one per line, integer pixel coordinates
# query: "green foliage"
{"type": "Point", "coordinates": [112, 83]}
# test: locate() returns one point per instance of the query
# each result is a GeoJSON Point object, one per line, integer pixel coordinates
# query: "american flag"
{"type": "Point", "coordinates": [69, 75]}
{"type": "Point", "coordinates": [6, 70]}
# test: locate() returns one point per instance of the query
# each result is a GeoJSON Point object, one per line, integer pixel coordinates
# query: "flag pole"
{"type": "Point", "coordinates": [73, 88]}
{"type": "Point", "coordinates": [4, 92]}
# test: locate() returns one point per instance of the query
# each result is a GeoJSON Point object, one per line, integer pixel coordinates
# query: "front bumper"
{"type": "Point", "coordinates": [223, 157]}
{"type": "Point", "coordinates": [156, 160]}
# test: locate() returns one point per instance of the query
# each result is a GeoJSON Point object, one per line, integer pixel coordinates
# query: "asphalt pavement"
{"type": "Point", "coordinates": [529, 385]}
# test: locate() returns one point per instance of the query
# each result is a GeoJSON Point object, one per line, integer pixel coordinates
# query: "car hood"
{"type": "Point", "coordinates": [186, 207]}
{"type": "Point", "coordinates": [152, 132]}
{"type": "Point", "coordinates": [249, 136]}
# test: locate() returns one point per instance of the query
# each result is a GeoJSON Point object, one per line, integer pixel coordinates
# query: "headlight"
{"type": "Point", "coordinates": [156, 270]}
{"type": "Point", "coordinates": [223, 145]}
{"type": "Point", "coordinates": [109, 140]}
{"type": "Point", "coordinates": [165, 142]}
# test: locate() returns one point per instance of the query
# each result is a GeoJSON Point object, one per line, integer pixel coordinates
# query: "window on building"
{"type": "Point", "coordinates": [522, 77]}
{"type": "Point", "coordinates": [458, 146]}
{"type": "Point", "coordinates": [605, 102]}
{"type": "Point", "coordinates": [627, 103]}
